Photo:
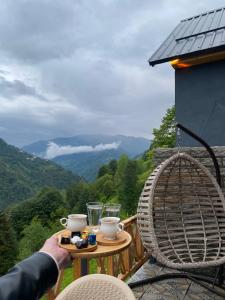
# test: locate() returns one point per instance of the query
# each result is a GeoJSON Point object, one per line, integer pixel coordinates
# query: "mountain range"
{"type": "Point", "coordinates": [85, 154]}
{"type": "Point", "coordinates": [22, 175]}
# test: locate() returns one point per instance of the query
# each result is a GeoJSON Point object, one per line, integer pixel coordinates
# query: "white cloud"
{"type": "Point", "coordinates": [84, 69]}
{"type": "Point", "coordinates": [55, 150]}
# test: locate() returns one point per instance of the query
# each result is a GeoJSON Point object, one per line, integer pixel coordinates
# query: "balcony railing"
{"type": "Point", "coordinates": [119, 265]}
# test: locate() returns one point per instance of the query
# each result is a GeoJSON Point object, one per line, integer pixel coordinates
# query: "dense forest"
{"type": "Point", "coordinates": [24, 226]}
{"type": "Point", "coordinates": [22, 175]}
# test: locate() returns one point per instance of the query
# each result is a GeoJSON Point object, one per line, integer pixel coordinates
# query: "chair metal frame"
{"type": "Point", "coordinates": [152, 240]}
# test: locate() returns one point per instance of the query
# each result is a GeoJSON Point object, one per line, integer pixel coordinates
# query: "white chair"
{"type": "Point", "coordinates": [97, 287]}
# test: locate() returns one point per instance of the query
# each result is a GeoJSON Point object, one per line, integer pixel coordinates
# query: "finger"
{"type": "Point", "coordinates": [54, 237]}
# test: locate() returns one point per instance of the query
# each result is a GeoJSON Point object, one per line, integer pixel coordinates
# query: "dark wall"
{"type": "Point", "coordinates": [200, 102]}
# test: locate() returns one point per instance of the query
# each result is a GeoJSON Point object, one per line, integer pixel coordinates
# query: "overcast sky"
{"type": "Point", "coordinates": [74, 67]}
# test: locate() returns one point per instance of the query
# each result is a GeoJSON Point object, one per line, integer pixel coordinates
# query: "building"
{"type": "Point", "coordinates": [196, 50]}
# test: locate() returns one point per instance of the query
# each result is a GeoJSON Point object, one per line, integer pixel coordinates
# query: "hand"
{"type": "Point", "coordinates": [61, 255]}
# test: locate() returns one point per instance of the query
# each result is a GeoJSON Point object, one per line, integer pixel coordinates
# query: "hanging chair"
{"type": "Point", "coordinates": [181, 215]}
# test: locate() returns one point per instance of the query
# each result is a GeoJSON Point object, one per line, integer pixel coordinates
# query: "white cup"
{"type": "Point", "coordinates": [75, 222]}
{"type": "Point", "coordinates": [110, 226]}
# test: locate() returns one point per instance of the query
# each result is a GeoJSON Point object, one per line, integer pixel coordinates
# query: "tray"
{"type": "Point", "coordinates": [121, 238]}
{"type": "Point", "coordinates": [72, 248]}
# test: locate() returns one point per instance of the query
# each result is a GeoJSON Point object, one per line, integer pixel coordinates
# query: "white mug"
{"type": "Point", "coordinates": [75, 222]}
{"type": "Point", "coordinates": [110, 226]}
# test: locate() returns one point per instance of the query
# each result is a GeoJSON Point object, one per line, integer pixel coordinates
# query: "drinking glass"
{"type": "Point", "coordinates": [94, 215]}
{"type": "Point", "coordinates": [112, 210]}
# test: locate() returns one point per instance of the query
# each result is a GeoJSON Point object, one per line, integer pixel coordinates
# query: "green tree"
{"type": "Point", "coordinates": [75, 194]}
{"type": "Point", "coordinates": [140, 166]}
{"type": "Point", "coordinates": [55, 216]}
{"type": "Point", "coordinates": [42, 206]}
{"type": "Point", "coordinates": [101, 187]}
{"type": "Point", "coordinates": [128, 194]}
{"type": "Point", "coordinates": [47, 201]}
{"type": "Point", "coordinates": [113, 166]}
{"type": "Point", "coordinates": [108, 189]}
{"type": "Point", "coordinates": [33, 238]}
{"type": "Point", "coordinates": [8, 244]}
{"type": "Point", "coordinates": [165, 136]}
{"type": "Point", "coordinates": [78, 195]}
{"type": "Point", "coordinates": [81, 206]}
{"type": "Point", "coordinates": [102, 171]}
{"type": "Point", "coordinates": [101, 181]}
{"type": "Point", "coordinates": [121, 165]}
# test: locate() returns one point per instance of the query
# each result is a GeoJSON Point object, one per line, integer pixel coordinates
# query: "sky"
{"type": "Point", "coordinates": [81, 67]}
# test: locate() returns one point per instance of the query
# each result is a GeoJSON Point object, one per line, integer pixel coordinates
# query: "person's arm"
{"type": "Point", "coordinates": [31, 278]}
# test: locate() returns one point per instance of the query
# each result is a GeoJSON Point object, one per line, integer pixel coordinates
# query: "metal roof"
{"type": "Point", "coordinates": [204, 33]}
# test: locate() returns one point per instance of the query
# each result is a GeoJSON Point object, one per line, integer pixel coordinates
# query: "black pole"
{"type": "Point", "coordinates": [218, 177]}
{"type": "Point", "coordinates": [208, 148]}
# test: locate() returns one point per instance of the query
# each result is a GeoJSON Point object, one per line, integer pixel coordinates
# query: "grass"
{"type": "Point", "coordinates": [68, 275]}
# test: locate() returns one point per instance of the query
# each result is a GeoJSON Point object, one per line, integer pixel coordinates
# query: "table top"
{"type": "Point", "coordinates": [101, 250]}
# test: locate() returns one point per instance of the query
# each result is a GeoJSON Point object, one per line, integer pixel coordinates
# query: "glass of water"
{"type": "Point", "coordinates": [112, 210]}
{"type": "Point", "coordinates": [94, 215]}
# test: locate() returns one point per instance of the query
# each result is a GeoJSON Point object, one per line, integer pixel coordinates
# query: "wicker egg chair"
{"type": "Point", "coordinates": [181, 219]}
{"type": "Point", "coordinates": [181, 215]}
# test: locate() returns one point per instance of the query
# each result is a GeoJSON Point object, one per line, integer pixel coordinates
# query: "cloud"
{"type": "Point", "coordinates": [55, 150]}
{"type": "Point", "coordinates": [15, 88]}
{"type": "Point", "coordinates": [80, 67]}
{"type": "Point", "coordinates": [36, 31]}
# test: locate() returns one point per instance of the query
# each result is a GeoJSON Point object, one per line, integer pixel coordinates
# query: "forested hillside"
{"type": "Point", "coordinates": [87, 164]}
{"type": "Point", "coordinates": [22, 175]}
{"type": "Point", "coordinates": [84, 154]}
{"type": "Point", "coordinates": [119, 181]}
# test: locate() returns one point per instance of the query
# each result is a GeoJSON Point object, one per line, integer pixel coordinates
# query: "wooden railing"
{"type": "Point", "coordinates": [120, 265]}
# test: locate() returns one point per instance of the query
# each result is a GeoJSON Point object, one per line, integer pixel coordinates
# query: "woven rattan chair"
{"type": "Point", "coordinates": [181, 218]}
{"type": "Point", "coordinates": [97, 287]}
{"type": "Point", "coordinates": [181, 215]}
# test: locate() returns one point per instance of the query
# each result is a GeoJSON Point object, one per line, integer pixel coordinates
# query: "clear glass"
{"type": "Point", "coordinates": [95, 210]}
{"type": "Point", "coordinates": [112, 210]}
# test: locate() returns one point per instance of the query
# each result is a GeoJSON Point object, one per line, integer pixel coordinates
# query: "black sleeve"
{"type": "Point", "coordinates": [29, 279]}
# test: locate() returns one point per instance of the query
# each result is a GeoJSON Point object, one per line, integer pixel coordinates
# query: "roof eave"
{"type": "Point", "coordinates": [187, 55]}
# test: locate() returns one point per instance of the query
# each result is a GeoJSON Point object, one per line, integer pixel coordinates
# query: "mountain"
{"type": "Point", "coordinates": [87, 164]}
{"type": "Point", "coordinates": [22, 175]}
{"type": "Point", "coordinates": [84, 154]}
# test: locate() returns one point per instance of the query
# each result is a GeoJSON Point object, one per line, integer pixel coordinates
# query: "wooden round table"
{"type": "Point", "coordinates": [109, 258]}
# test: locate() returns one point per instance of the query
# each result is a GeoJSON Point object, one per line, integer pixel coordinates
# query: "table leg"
{"type": "Point", "coordinates": [84, 267]}
{"type": "Point", "coordinates": [110, 266]}
{"type": "Point", "coordinates": [76, 268]}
